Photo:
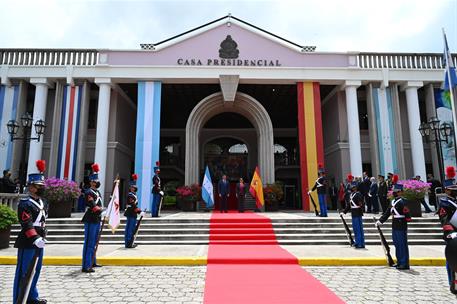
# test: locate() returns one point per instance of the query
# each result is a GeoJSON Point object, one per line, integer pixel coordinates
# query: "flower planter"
{"type": "Point", "coordinates": [188, 205]}
{"type": "Point", "coordinates": [272, 205]}
{"type": "Point", "coordinates": [60, 209]}
{"type": "Point", "coordinates": [414, 207]}
{"type": "Point", "coordinates": [5, 237]}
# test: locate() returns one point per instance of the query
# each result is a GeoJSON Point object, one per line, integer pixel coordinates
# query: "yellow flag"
{"type": "Point", "coordinates": [256, 188]}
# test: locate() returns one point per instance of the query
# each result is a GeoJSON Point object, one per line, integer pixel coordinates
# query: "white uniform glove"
{"type": "Point", "coordinates": [453, 235]}
{"type": "Point", "coordinates": [161, 193]}
{"type": "Point", "coordinates": [377, 224]}
{"type": "Point", "coordinates": [103, 213]}
{"type": "Point", "coordinates": [39, 242]}
{"type": "Point", "coordinates": [142, 213]}
{"type": "Point", "coordinates": [309, 192]}
{"type": "Point", "coordinates": [342, 213]}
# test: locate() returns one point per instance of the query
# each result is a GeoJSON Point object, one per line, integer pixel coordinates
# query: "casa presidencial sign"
{"type": "Point", "coordinates": [229, 56]}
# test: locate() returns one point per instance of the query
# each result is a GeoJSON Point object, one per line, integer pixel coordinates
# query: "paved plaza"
{"type": "Point", "coordinates": [65, 284]}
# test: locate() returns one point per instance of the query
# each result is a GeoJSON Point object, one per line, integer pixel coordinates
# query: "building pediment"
{"type": "Point", "coordinates": [228, 42]}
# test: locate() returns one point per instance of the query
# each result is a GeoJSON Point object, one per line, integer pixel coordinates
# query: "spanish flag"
{"type": "Point", "coordinates": [256, 188]}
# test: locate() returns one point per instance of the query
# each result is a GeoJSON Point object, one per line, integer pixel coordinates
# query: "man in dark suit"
{"type": "Point", "coordinates": [382, 193]}
{"type": "Point", "coordinates": [223, 188]}
{"type": "Point", "coordinates": [432, 195]}
{"type": "Point", "coordinates": [7, 185]}
{"type": "Point", "coordinates": [373, 195]}
{"type": "Point", "coordinates": [364, 188]}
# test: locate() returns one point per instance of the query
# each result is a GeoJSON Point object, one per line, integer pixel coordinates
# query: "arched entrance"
{"type": "Point", "coordinates": [227, 156]}
{"type": "Point", "coordinates": [244, 105]}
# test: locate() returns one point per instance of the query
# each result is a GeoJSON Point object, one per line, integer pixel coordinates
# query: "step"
{"type": "Point", "coordinates": [236, 237]}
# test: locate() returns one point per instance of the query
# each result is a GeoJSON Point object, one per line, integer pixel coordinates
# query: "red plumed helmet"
{"type": "Point", "coordinates": [95, 168]}
{"type": "Point", "coordinates": [134, 177]}
{"type": "Point", "coordinates": [450, 172]}
{"type": "Point", "coordinates": [41, 165]}
{"type": "Point", "coordinates": [350, 177]}
{"type": "Point", "coordinates": [395, 178]}
{"type": "Point", "coordinates": [157, 163]}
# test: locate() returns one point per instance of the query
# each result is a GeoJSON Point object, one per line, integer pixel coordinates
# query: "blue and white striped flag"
{"type": "Point", "coordinates": [450, 78]}
{"type": "Point", "coordinates": [207, 189]}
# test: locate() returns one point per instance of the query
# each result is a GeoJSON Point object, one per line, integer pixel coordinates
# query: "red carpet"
{"type": "Point", "coordinates": [246, 265]}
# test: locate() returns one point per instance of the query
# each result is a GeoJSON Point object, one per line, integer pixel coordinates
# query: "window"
{"type": "Point", "coordinates": [238, 149]}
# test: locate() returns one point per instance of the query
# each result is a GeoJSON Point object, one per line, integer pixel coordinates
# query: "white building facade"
{"type": "Point", "coordinates": [228, 95]}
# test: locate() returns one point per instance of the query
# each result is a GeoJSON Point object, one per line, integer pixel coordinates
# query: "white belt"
{"type": "Point", "coordinates": [42, 225]}
{"type": "Point", "coordinates": [398, 216]}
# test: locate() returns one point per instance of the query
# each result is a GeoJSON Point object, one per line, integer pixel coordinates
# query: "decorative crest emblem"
{"type": "Point", "coordinates": [229, 49]}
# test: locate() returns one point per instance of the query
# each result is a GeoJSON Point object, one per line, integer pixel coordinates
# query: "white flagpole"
{"type": "Point", "coordinates": [448, 72]}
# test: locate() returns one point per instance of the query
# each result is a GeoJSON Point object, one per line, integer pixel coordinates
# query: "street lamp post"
{"type": "Point", "coordinates": [26, 123]}
{"type": "Point", "coordinates": [438, 132]}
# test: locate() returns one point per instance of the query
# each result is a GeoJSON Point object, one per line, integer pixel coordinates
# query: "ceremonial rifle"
{"type": "Point", "coordinates": [103, 223]}
{"type": "Point", "coordinates": [348, 231]}
{"type": "Point", "coordinates": [160, 205]}
{"type": "Point", "coordinates": [314, 204]}
{"type": "Point", "coordinates": [135, 233]}
{"type": "Point", "coordinates": [385, 245]}
{"type": "Point", "coordinates": [26, 282]}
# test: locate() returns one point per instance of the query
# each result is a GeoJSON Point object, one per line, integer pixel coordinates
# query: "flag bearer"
{"type": "Point", "coordinates": [32, 213]}
{"type": "Point", "coordinates": [401, 217]}
{"type": "Point", "coordinates": [131, 213]}
{"type": "Point", "coordinates": [356, 206]}
{"type": "Point", "coordinates": [321, 186]}
{"type": "Point", "coordinates": [157, 192]}
{"type": "Point", "coordinates": [448, 217]}
{"type": "Point", "coordinates": [91, 220]}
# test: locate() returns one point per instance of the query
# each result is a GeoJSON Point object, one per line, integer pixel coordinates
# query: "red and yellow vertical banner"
{"type": "Point", "coordinates": [310, 138]}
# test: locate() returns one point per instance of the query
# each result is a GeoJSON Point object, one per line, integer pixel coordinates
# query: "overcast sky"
{"type": "Point", "coordinates": [338, 25]}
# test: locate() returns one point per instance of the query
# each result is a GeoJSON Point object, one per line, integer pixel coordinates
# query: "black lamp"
{"type": "Point", "coordinates": [40, 126]}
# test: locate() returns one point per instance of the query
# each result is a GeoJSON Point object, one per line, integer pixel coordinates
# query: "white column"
{"type": "Point", "coordinates": [39, 112]}
{"type": "Point", "coordinates": [101, 138]}
{"type": "Point", "coordinates": [417, 148]}
{"type": "Point", "coordinates": [352, 111]}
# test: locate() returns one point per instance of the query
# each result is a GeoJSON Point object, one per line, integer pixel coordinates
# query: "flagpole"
{"type": "Point", "coordinates": [451, 93]}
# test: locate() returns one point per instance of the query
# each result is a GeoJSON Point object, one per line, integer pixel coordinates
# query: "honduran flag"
{"type": "Point", "coordinates": [207, 189]}
{"type": "Point", "coordinates": [69, 132]}
{"type": "Point", "coordinates": [450, 76]}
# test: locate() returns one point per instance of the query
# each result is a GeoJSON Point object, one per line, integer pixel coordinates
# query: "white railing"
{"type": "Point", "coordinates": [11, 199]}
{"type": "Point", "coordinates": [48, 57]}
{"type": "Point", "coordinates": [421, 61]}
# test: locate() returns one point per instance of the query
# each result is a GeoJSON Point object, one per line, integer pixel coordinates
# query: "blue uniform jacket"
{"type": "Point", "coordinates": [28, 210]}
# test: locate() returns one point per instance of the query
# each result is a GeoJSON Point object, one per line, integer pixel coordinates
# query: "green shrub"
{"type": "Point", "coordinates": [7, 217]}
{"type": "Point", "coordinates": [170, 188]}
{"type": "Point", "coordinates": [169, 200]}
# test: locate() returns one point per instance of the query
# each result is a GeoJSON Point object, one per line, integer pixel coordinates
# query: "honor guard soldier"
{"type": "Point", "coordinates": [91, 219]}
{"type": "Point", "coordinates": [356, 206]}
{"type": "Point", "coordinates": [321, 186]}
{"type": "Point", "coordinates": [448, 218]}
{"type": "Point", "coordinates": [131, 213]}
{"type": "Point", "coordinates": [32, 213]}
{"type": "Point", "coordinates": [157, 192]}
{"type": "Point", "coordinates": [401, 217]}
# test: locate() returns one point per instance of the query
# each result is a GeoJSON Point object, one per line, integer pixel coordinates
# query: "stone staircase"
{"type": "Point", "coordinates": [195, 231]}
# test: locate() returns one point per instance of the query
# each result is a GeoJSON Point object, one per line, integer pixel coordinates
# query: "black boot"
{"type": "Point", "coordinates": [37, 301]}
